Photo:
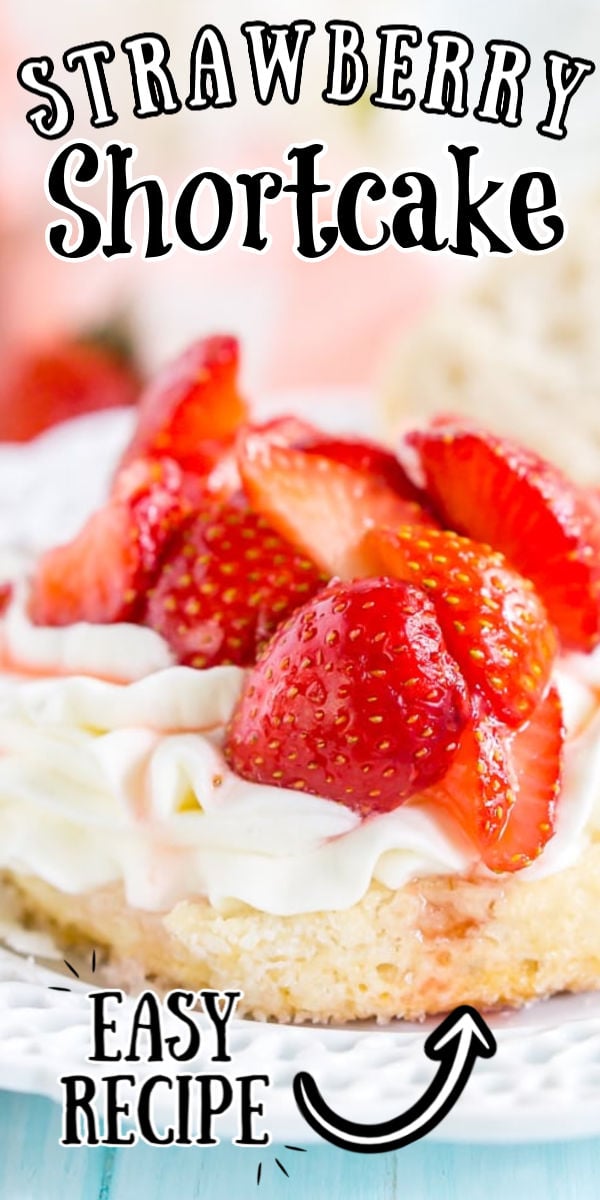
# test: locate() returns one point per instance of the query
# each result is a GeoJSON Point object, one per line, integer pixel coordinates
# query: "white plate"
{"type": "Point", "coordinates": [544, 1081]}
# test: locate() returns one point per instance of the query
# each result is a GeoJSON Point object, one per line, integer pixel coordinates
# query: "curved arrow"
{"type": "Point", "coordinates": [461, 1038]}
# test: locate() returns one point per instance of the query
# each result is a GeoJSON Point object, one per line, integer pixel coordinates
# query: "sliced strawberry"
{"type": "Point", "coordinates": [492, 619]}
{"type": "Point", "coordinates": [44, 385]}
{"type": "Point", "coordinates": [141, 477]}
{"type": "Point", "coordinates": [287, 430]}
{"type": "Point", "coordinates": [227, 582]}
{"type": "Point", "coordinates": [360, 454]}
{"type": "Point", "coordinates": [5, 596]}
{"type": "Point", "coordinates": [93, 578]}
{"type": "Point", "coordinates": [502, 788]}
{"type": "Point", "coordinates": [192, 409]}
{"type": "Point", "coordinates": [369, 459]}
{"type": "Point", "coordinates": [497, 492]}
{"type": "Point", "coordinates": [355, 699]}
{"type": "Point", "coordinates": [366, 457]}
{"type": "Point", "coordinates": [223, 480]}
{"type": "Point", "coordinates": [322, 507]}
{"type": "Point", "coordinates": [102, 575]}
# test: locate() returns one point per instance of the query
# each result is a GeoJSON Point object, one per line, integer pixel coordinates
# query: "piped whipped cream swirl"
{"type": "Point", "coordinates": [123, 779]}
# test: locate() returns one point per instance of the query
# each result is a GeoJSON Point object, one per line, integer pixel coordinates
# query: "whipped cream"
{"type": "Point", "coordinates": [104, 782]}
{"type": "Point", "coordinates": [121, 652]}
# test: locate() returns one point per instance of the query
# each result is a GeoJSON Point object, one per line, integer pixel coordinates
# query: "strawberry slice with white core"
{"type": "Point", "coordinates": [286, 430]}
{"type": "Point", "coordinates": [321, 506]}
{"type": "Point", "coordinates": [368, 458]}
{"type": "Point", "coordinates": [361, 454]}
{"type": "Point", "coordinates": [502, 788]}
{"type": "Point", "coordinates": [497, 492]}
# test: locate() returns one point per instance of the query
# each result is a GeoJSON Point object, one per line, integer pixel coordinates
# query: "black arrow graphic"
{"type": "Point", "coordinates": [461, 1038]}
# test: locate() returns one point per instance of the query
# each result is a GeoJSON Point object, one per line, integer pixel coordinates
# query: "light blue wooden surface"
{"type": "Point", "coordinates": [34, 1167]}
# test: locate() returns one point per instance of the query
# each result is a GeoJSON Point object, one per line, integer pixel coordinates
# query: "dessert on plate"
{"type": "Point", "coordinates": [308, 716]}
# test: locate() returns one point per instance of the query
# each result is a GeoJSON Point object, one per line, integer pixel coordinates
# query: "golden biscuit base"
{"type": "Point", "coordinates": [434, 943]}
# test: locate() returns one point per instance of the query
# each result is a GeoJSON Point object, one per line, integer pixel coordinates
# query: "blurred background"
{"type": "Point", "coordinates": [516, 340]}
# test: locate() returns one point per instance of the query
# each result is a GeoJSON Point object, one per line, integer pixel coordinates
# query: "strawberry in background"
{"type": "Point", "coordinates": [45, 384]}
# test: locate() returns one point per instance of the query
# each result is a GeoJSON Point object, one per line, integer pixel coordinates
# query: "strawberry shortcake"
{"type": "Point", "coordinates": [311, 717]}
